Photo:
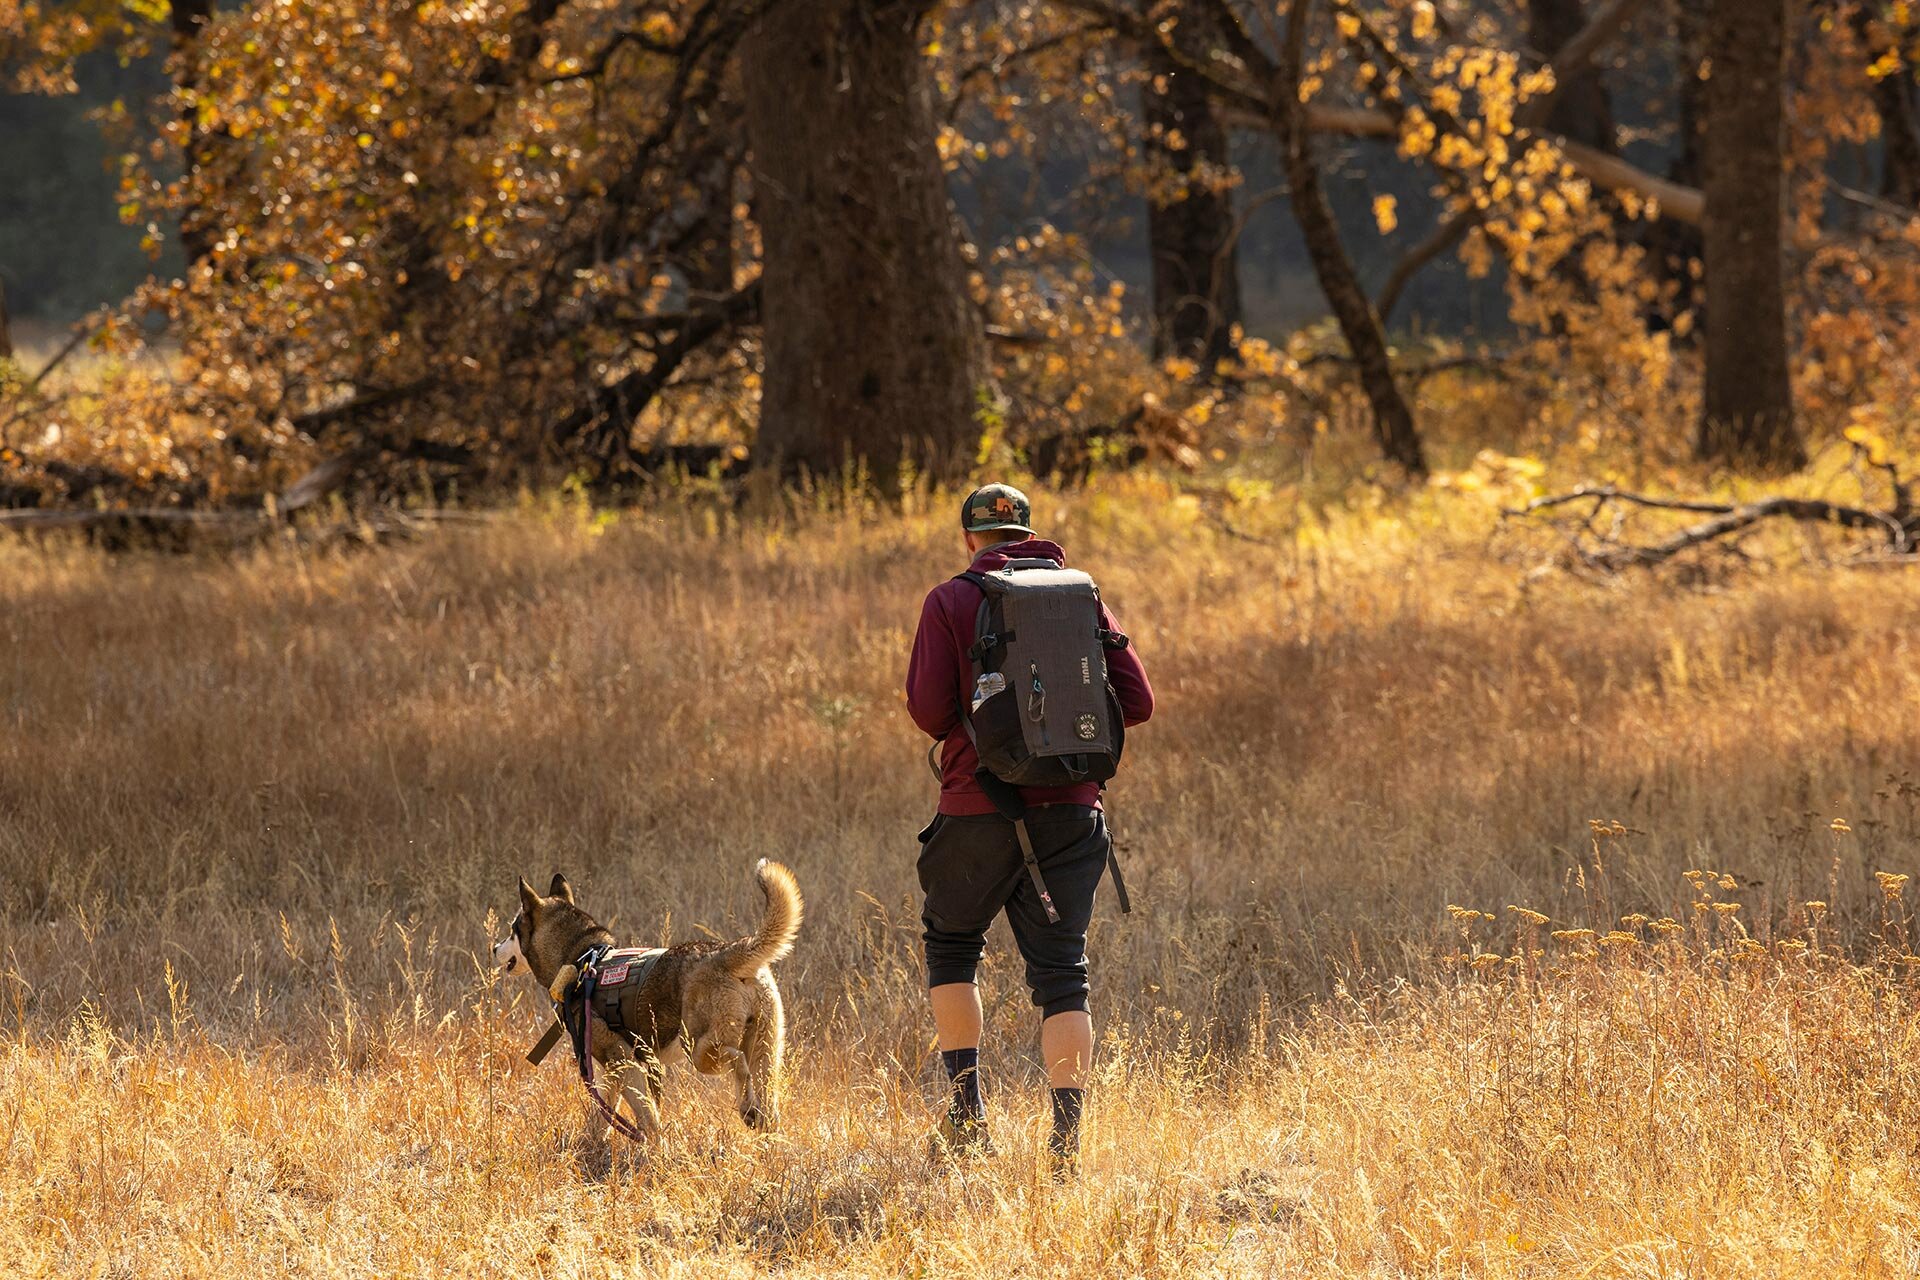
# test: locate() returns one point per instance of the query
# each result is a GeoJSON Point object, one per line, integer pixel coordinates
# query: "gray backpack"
{"type": "Point", "coordinates": [1042, 713]}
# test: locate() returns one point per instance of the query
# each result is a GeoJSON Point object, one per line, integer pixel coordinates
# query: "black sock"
{"type": "Point", "coordinates": [1065, 1138]}
{"type": "Point", "coordinates": [963, 1069]}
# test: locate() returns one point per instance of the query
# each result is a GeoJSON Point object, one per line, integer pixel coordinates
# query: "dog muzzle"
{"type": "Point", "coordinates": [507, 956]}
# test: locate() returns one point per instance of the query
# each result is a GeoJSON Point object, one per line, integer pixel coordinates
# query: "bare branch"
{"type": "Point", "coordinates": [81, 332]}
{"type": "Point", "coordinates": [1575, 53]}
{"type": "Point", "coordinates": [1443, 238]}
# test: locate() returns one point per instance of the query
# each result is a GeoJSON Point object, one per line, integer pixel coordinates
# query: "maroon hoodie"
{"type": "Point", "coordinates": [939, 676]}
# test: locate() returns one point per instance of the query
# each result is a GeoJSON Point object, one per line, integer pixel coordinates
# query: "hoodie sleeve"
{"type": "Point", "coordinates": [1128, 675]}
{"type": "Point", "coordinates": [933, 700]}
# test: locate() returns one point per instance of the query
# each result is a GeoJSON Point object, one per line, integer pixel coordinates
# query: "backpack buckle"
{"type": "Point", "coordinates": [991, 640]}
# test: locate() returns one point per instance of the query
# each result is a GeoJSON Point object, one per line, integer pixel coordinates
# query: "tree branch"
{"type": "Point", "coordinates": [1680, 203]}
{"type": "Point", "coordinates": [1441, 240]}
{"type": "Point", "coordinates": [999, 62]}
{"type": "Point", "coordinates": [623, 399]}
{"type": "Point", "coordinates": [1575, 53]}
{"type": "Point", "coordinates": [318, 422]}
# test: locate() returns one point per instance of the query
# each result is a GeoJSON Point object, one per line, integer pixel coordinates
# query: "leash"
{"type": "Point", "coordinates": [574, 1013]}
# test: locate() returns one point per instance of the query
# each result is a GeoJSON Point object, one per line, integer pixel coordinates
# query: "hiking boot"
{"type": "Point", "coordinates": [958, 1139]}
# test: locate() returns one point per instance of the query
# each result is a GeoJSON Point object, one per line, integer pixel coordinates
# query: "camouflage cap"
{"type": "Point", "coordinates": [996, 506]}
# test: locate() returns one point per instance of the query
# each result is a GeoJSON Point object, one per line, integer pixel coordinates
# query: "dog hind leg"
{"type": "Point", "coordinates": [766, 1035]}
{"type": "Point", "coordinates": [715, 1053]}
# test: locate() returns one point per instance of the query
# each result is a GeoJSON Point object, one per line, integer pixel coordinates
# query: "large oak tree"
{"type": "Point", "coordinates": [874, 350]}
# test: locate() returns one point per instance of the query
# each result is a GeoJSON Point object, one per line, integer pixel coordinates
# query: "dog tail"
{"type": "Point", "coordinates": [778, 928]}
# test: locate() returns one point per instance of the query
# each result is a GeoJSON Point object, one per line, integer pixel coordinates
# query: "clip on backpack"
{"type": "Point", "coordinates": [1043, 712]}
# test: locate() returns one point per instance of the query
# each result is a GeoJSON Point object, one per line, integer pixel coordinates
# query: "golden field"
{"type": "Point", "coordinates": [259, 816]}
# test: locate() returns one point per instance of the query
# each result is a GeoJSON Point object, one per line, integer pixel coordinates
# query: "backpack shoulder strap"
{"type": "Point", "coordinates": [988, 587]}
{"type": "Point", "coordinates": [984, 636]}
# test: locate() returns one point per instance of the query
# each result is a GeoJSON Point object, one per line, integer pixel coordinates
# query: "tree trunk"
{"type": "Point", "coordinates": [1392, 419]}
{"type": "Point", "coordinates": [1749, 395]}
{"type": "Point", "coordinates": [1900, 138]}
{"type": "Point", "coordinates": [873, 348]}
{"type": "Point", "coordinates": [1190, 227]}
{"type": "Point", "coordinates": [1581, 107]}
{"type": "Point", "coordinates": [189, 18]}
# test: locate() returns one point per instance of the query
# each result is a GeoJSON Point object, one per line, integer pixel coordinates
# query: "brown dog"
{"type": "Point", "coordinates": [716, 999]}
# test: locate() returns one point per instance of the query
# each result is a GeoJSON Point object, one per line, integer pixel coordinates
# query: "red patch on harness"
{"type": "Point", "coordinates": [616, 975]}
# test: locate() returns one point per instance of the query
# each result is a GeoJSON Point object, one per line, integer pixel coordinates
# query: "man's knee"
{"type": "Point", "coordinates": [1061, 990]}
{"type": "Point", "coordinates": [1072, 1002]}
{"type": "Point", "coordinates": [953, 955]}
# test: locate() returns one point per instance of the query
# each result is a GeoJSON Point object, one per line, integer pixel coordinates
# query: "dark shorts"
{"type": "Point", "coordinates": [971, 870]}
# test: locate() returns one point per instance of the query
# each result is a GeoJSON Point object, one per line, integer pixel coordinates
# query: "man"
{"type": "Point", "coordinates": [971, 864]}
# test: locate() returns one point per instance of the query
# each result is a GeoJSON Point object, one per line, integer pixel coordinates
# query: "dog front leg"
{"type": "Point", "coordinates": [636, 1081]}
{"type": "Point", "coordinates": [597, 1122]}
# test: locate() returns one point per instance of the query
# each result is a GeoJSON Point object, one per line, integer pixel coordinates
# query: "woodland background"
{"type": "Point", "coordinates": [470, 246]}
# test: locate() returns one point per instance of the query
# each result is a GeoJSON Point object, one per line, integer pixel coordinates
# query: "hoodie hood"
{"type": "Point", "coordinates": [994, 558]}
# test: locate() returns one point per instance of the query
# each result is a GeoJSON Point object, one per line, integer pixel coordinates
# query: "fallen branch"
{"type": "Point", "coordinates": [127, 526]}
{"type": "Point", "coordinates": [1613, 553]}
{"type": "Point", "coordinates": [179, 528]}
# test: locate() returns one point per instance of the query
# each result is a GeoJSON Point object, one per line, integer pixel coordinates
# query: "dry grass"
{"type": "Point", "coordinates": [254, 816]}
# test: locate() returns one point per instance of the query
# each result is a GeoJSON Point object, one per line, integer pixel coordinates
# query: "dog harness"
{"type": "Point", "coordinates": [617, 978]}
{"type": "Point", "coordinates": [608, 982]}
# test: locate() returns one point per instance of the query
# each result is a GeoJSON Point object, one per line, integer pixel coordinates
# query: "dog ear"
{"type": "Point", "coordinates": [529, 900]}
{"type": "Point", "coordinates": [560, 888]}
